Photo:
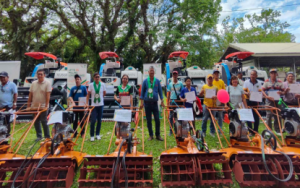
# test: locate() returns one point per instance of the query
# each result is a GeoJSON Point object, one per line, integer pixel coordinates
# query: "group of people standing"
{"type": "Point", "coordinates": [239, 92]}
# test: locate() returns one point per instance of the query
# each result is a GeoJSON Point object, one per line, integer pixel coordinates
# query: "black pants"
{"type": "Point", "coordinates": [6, 121]}
{"type": "Point", "coordinates": [255, 115]}
{"type": "Point", "coordinates": [78, 116]}
{"type": "Point", "coordinates": [152, 107]}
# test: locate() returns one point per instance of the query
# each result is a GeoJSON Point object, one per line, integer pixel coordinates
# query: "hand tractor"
{"type": "Point", "coordinates": [289, 143]}
{"type": "Point", "coordinates": [125, 167]}
{"type": "Point", "coordinates": [255, 162]}
{"type": "Point", "coordinates": [191, 163]}
{"type": "Point", "coordinates": [54, 163]}
{"type": "Point", "coordinates": [10, 161]}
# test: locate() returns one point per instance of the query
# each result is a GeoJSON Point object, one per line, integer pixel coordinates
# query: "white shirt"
{"type": "Point", "coordinates": [92, 90]}
{"type": "Point", "coordinates": [253, 87]}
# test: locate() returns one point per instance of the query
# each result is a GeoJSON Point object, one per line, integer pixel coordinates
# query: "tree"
{"type": "Point", "coordinates": [22, 24]}
{"type": "Point", "coordinates": [265, 27]}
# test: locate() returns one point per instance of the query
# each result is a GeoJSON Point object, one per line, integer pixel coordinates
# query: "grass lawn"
{"type": "Point", "coordinates": [100, 147]}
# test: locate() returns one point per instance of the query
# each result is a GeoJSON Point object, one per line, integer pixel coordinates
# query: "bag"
{"type": "Point", "coordinates": [178, 98]}
{"type": "Point", "coordinates": [73, 95]}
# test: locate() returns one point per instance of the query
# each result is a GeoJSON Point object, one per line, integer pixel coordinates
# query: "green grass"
{"type": "Point", "coordinates": [155, 147]}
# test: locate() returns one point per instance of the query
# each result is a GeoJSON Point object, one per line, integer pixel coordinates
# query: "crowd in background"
{"type": "Point", "coordinates": [238, 90]}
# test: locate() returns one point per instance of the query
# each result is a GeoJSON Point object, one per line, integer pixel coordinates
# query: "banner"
{"type": "Point", "coordinates": [157, 69]}
{"type": "Point", "coordinates": [73, 69]}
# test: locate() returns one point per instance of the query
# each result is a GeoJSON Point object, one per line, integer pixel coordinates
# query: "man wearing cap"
{"type": "Point", "coordinates": [208, 102]}
{"type": "Point", "coordinates": [290, 98]}
{"type": "Point", "coordinates": [240, 77]}
{"type": "Point", "coordinates": [252, 85]}
{"type": "Point", "coordinates": [39, 96]}
{"type": "Point", "coordinates": [220, 85]}
{"type": "Point", "coordinates": [174, 90]}
{"type": "Point", "coordinates": [97, 90]}
{"type": "Point", "coordinates": [77, 92]}
{"type": "Point", "coordinates": [272, 84]}
{"type": "Point", "coordinates": [8, 97]}
{"type": "Point", "coordinates": [151, 88]}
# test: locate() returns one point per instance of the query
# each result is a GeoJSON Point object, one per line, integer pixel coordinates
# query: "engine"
{"type": "Point", "coordinates": [3, 128]}
{"type": "Point", "coordinates": [183, 128]}
{"type": "Point", "coordinates": [65, 128]}
{"type": "Point", "coordinates": [291, 122]}
{"type": "Point", "coordinates": [238, 130]}
{"type": "Point", "coordinates": [123, 129]}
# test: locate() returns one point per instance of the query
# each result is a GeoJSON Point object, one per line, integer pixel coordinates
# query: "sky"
{"type": "Point", "coordinates": [289, 14]}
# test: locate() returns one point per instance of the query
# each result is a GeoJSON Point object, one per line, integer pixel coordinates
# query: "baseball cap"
{"type": "Point", "coordinates": [77, 76]}
{"type": "Point", "coordinates": [209, 76]}
{"type": "Point", "coordinates": [175, 72]}
{"type": "Point", "coordinates": [216, 70]}
{"type": "Point", "coordinates": [3, 74]}
{"type": "Point", "coordinates": [273, 70]}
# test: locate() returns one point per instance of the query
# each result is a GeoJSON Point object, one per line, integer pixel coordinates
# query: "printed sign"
{"type": "Point", "coordinates": [185, 114]}
{"type": "Point", "coordinates": [122, 116]}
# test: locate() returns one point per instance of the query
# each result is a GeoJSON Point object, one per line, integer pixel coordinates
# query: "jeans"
{"type": "Point", "coordinates": [78, 116]}
{"type": "Point", "coordinates": [220, 118]}
{"type": "Point", "coordinates": [256, 118]}
{"type": "Point", "coordinates": [149, 109]}
{"type": "Point", "coordinates": [96, 115]}
{"type": "Point", "coordinates": [37, 125]}
{"type": "Point", "coordinates": [206, 115]}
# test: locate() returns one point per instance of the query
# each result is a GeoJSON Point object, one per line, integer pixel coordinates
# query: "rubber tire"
{"type": "Point", "coordinates": [272, 136]}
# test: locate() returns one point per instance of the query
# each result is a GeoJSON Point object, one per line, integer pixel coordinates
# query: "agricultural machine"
{"type": "Point", "coordinates": [54, 163]}
{"type": "Point", "coordinates": [227, 68]}
{"type": "Point", "coordinates": [110, 73]}
{"type": "Point", "coordinates": [10, 161]}
{"type": "Point", "coordinates": [191, 163]}
{"type": "Point", "coordinates": [55, 73]}
{"type": "Point", "coordinates": [289, 143]}
{"type": "Point", "coordinates": [196, 74]}
{"type": "Point", "coordinates": [125, 167]}
{"type": "Point", "coordinates": [259, 161]}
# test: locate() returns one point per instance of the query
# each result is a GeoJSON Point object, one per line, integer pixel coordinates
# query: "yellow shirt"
{"type": "Point", "coordinates": [220, 84]}
{"type": "Point", "coordinates": [206, 101]}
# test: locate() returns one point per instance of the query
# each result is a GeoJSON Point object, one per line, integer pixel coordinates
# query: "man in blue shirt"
{"type": "Point", "coordinates": [8, 97]}
{"type": "Point", "coordinates": [75, 93]}
{"type": "Point", "coordinates": [174, 90]}
{"type": "Point", "coordinates": [151, 88]}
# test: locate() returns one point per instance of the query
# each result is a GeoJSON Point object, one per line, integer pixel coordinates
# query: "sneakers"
{"type": "Point", "coordinates": [98, 137]}
{"type": "Point", "coordinates": [212, 134]}
{"type": "Point", "coordinates": [92, 139]}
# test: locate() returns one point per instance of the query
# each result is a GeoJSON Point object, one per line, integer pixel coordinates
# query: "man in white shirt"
{"type": "Point", "coordinates": [252, 85]}
{"type": "Point", "coordinates": [97, 90]}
